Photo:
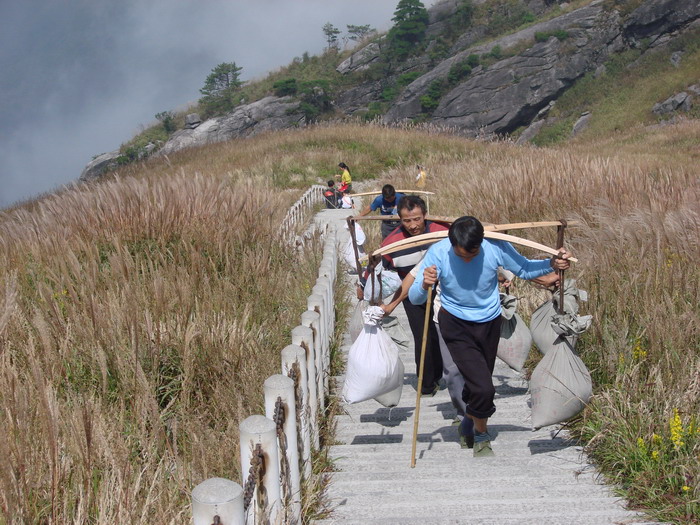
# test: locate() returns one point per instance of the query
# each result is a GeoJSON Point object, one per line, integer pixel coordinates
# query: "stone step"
{"type": "Point", "coordinates": [600, 517]}
{"type": "Point", "coordinates": [562, 509]}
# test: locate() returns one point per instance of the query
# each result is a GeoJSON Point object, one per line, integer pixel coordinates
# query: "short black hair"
{"type": "Point", "coordinates": [388, 191]}
{"type": "Point", "coordinates": [331, 183]}
{"type": "Point", "coordinates": [411, 202]}
{"type": "Point", "coordinates": [467, 233]}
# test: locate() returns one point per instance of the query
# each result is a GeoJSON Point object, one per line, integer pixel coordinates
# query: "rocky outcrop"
{"type": "Point", "coordinates": [508, 94]}
{"type": "Point", "coordinates": [679, 102]}
{"type": "Point", "coordinates": [653, 20]}
{"type": "Point", "coordinates": [192, 121]}
{"type": "Point", "coordinates": [360, 60]}
{"type": "Point", "coordinates": [267, 114]}
{"type": "Point", "coordinates": [99, 165]}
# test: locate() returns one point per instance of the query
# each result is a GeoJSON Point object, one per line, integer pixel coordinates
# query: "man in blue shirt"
{"type": "Point", "coordinates": [386, 203]}
{"type": "Point", "coordinates": [466, 265]}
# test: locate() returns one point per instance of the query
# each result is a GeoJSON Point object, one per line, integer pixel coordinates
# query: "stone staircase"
{"type": "Point", "coordinates": [535, 477]}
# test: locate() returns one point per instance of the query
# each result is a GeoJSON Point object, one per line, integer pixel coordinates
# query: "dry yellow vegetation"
{"type": "Point", "coordinates": [140, 315]}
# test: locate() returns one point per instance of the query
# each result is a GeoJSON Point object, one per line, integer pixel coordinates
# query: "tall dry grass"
{"type": "Point", "coordinates": [139, 318]}
{"type": "Point", "coordinates": [120, 302]}
{"type": "Point", "coordinates": [639, 246]}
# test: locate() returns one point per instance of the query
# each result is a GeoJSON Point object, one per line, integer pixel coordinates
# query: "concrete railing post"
{"type": "Point", "coordinates": [217, 497]}
{"type": "Point", "coordinates": [258, 437]}
{"type": "Point", "coordinates": [316, 304]}
{"type": "Point", "coordinates": [280, 406]}
{"type": "Point", "coordinates": [303, 336]}
{"type": "Point", "coordinates": [292, 354]}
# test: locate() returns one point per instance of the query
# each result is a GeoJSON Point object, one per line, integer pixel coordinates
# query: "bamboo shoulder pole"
{"type": "Point", "coordinates": [377, 192]}
{"type": "Point", "coordinates": [420, 376]}
{"type": "Point", "coordinates": [430, 238]}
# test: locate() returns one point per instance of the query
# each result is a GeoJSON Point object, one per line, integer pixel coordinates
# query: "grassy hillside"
{"type": "Point", "coordinates": [139, 316]}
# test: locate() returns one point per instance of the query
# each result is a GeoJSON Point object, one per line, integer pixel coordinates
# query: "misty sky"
{"type": "Point", "coordinates": [79, 77]}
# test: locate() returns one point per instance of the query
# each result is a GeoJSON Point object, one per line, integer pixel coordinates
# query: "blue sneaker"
{"type": "Point", "coordinates": [466, 432]}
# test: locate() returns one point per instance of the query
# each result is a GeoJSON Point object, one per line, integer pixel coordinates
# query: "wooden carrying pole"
{"type": "Point", "coordinates": [420, 376]}
{"type": "Point", "coordinates": [353, 237]}
{"type": "Point", "coordinates": [429, 238]}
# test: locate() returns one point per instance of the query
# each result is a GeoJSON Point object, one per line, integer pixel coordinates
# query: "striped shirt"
{"type": "Point", "coordinates": [403, 261]}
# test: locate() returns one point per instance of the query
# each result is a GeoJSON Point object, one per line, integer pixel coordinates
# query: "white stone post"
{"type": "Point", "coordinates": [296, 354]}
{"type": "Point", "coordinates": [312, 319]}
{"type": "Point", "coordinates": [315, 304]}
{"type": "Point", "coordinates": [217, 497]}
{"type": "Point", "coordinates": [280, 387]}
{"type": "Point", "coordinates": [259, 430]}
{"type": "Point", "coordinates": [303, 336]}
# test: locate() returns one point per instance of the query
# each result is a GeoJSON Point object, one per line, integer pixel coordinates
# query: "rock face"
{"type": "Point", "coordinates": [679, 102]}
{"type": "Point", "coordinates": [509, 93]}
{"type": "Point", "coordinates": [100, 164]}
{"type": "Point", "coordinates": [361, 60]}
{"type": "Point", "coordinates": [267, 114]}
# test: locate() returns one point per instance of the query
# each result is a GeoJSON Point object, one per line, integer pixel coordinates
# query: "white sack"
{"type": "Point", "coordinates": [560, 387]}
{"type": "Point", "coordinates": [373, 367]}
{"type": "Point", "coordinates": [390, 282]}
{"type": "Point", "coordinates": [356, 322]}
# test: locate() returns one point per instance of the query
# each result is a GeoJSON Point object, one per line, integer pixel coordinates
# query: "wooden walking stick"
{"type": "Point", "coordinates": [560, 245]}
{"type": "Point", "coordinates": [419, 387]}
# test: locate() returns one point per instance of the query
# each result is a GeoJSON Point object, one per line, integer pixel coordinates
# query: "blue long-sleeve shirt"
{"type": "Point", "coordinates": [469, 290]}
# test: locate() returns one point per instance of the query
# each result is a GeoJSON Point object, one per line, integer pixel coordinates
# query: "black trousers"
{"type": "Point", "coordinates": [432, 366]}
{"type": "Point", "coordinates": [473, 348]}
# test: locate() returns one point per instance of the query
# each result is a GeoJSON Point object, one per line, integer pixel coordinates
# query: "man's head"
{"type": "Point", "coordinates": [466, 235]}
{"type": "Point", "coordinates": [331, 183]}
{"type": "Point", "coordinates": [388, 192]}
{"type": "Point", "coordinates": [412, 210]}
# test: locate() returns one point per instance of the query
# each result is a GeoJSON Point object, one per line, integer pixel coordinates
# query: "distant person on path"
{"type": "Point", "coordinates": [466, 266]}
{"type": "Point", "coordinates": [420, 178]}
{"type": "Point", "coordinates": [412, 210]}
{"type": "Point", "coordinates": [345, 178]}
{"type": "Point", "coordinates": [346, 201]}
{"type": "Point", "coordinates": [386, 203]}
{"type": "Point", "coordinates": [332, 196]}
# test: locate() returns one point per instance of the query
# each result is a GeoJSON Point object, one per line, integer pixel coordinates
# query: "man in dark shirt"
{"type": "Point", "coordinates": [386, 203]}
{"type": "Point", "coordinates": [412, 210]}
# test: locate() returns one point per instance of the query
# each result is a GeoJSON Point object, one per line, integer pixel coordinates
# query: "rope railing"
{"type": "Point", "coordinates": [276, 449]}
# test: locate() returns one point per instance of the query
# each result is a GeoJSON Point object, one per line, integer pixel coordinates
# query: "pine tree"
{"type": "Point", "coordinates": [410, 22]}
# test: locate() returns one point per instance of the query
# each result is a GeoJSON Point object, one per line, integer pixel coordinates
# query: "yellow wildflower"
{"type": "Point", "coordinates": [676, 426]}
{"type": "Point", "coordinates": [641, 445]}
{"type": "Point", "coordinates": [655, 455]}
{"type": "Point", "coordinates": [686, 488]}
{"type": "Point", "coordinates": [638, 352]}
{"type": "Point", "coordinates": [656, 439]}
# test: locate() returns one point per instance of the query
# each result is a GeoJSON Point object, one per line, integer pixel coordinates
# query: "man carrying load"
{"type": "Point", "coordinates": [386, 203]}
{"type": "Point", "coordinates": [466, 267]}
{"type": "Point", "coordinates": [412, 210]}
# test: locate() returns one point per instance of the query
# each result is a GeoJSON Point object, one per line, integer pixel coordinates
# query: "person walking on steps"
{"type": "Point", "coordinates": [412, 210]}
{"type": "Point", "coordinates": [345, 178]}
{"type": "Point", "coordinates": [386, 203]}
{"type": "Point", "coordinates": [466, 266]}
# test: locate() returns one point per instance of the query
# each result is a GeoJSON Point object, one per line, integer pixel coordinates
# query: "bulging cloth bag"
{"type": "Point", "coordinates": [570, 324]}
{"type": "Point", "coordinates": [516, 340]}
{"type": "Point", "coordinates": [348, 252]}
{"type": "Point", "coordinates": [390, 324]}
{"type": "Point", "coordinates": [560, 387]}
{"type": "Point", "coordinates": [374, 369]}
{"type": "Point", "coordinates": [381, 283]}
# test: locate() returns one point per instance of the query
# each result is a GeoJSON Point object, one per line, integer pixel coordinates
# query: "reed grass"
{"type": "Point", "coordinates": [130, 310]}
{"type": "Point", "coordinates": [139, 319]}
